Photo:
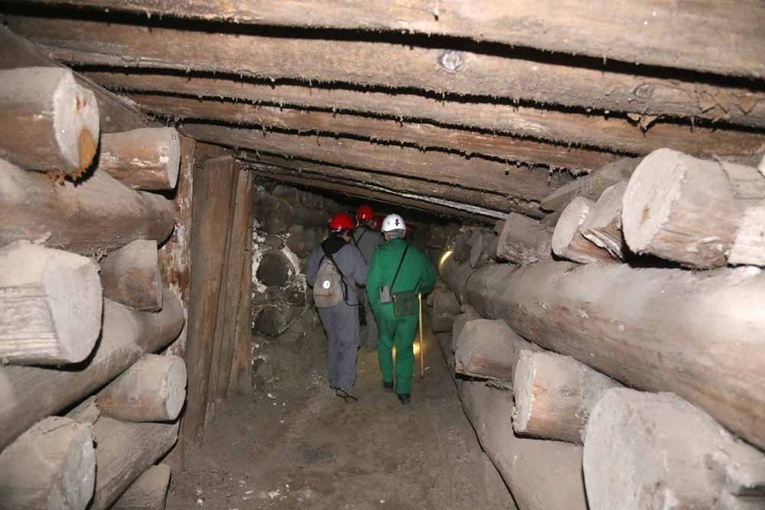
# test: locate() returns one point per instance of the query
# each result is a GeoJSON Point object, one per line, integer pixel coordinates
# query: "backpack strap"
{"type": "Point", "coordinates": [399, 267]}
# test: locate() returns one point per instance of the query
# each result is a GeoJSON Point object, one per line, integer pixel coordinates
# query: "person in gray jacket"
{"type": "Point", "coordinates": [341, 320]}
{"type": "Point", "coordinates": [367, 239]}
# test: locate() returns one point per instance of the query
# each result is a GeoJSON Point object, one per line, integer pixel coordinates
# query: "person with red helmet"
{"type": "Point", "coordinates": [377, 222]}
{"type": "Point", "coordinates": [336, 269]}
{"type": "Point", "coordinates": [367, 239]}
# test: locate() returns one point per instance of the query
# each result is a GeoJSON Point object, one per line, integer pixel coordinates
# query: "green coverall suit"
{"type": "Point", "coordinates": [398, 331]}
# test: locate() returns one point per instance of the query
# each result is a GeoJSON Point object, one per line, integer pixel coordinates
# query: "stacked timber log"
{"type": "Point", "coordinates": [70, 340]}
{"type": "Point", "coordinates": [697, 334]}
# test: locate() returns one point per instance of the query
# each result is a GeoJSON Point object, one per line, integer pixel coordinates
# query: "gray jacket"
{"type": "Point", "coordinates": [367, 240]}
{"type": "Point", "coordinates": [349, 262]}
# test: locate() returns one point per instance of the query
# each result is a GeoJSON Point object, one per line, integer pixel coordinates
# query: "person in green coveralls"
{"type": "Point", "coordinates": [415, 273]}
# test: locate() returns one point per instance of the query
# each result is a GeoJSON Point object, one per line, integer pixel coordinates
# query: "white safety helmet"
{"type": "Point", "coordinates": [393, 222]}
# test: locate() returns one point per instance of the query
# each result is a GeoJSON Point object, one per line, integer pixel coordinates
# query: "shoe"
{"type": "Point", "coordinates": [348, 397]}
{"type": "Point", "coordinates": [388, 385]}
{"type": "Point", "coordinates": [404, 398]}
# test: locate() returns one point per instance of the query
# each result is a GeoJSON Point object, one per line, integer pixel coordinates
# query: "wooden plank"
{"type": "Point", "coordinates": [211, 207]}
{"type": "Point", "coordinates": [590, 130]}
{"type": "Point", "coordinates": [238, 239]}
{"type": "Point", "coordinates": [354, 190]}
{"type": "Point", "coordinates": [474, 173]}
{"type": "Point", "coordinates": [382, 64]}
{"type": "Point", "coordinates": [115, 113]}
{"type": "Point", "coordinates": [280, 165]}
{"type": "Point", "coordinates": [420, 135]}
{"type": "Point", "coordinates": [652, 33]}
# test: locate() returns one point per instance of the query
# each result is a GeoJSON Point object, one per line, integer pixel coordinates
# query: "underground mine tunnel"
{"type": "Point", "coordinates": [584, 182]}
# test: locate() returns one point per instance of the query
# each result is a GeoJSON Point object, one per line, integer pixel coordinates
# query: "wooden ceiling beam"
{"type": "Point", "coordinates": [474, 173]}
{"type": "Point", "coordinates": [609, 133]}
{"type": "Point", "coordinates": [665, 34]}
{"type": "Point", "coordinates": [425, 136]}
{"type": "Point", "coordinates": [382, 64]}
{"type": "Point", "coordinates": [366, 192]}
{"type": "Point", "coordinates": [494, 202]}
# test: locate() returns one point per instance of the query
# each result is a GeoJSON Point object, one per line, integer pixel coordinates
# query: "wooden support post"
{"type": "Point", "coordinates": [567, 240]}
{"type": "Point", "coordinates": [31, 393]}
{"type": "Point", "coordinates": [603, 226]}
{"type": "Point", "coordinates": [688, 210]}
{"type": "Point", "coordinates": [233, 288]}
{"type": "Point", "coordinates": [98, 214]}
{"type": "Point", "coordinates": [541, 475]}
{"type": "Point", "coordinates": [702, 465]}
{"type": "Point", "coordinates": [125, 450]}
{"type": "Point", "coordinates": [148, 492]}
{"type": "Point", "coordinates": [554, 395]}
{"type": "Point", "coordinates": [707, 353]}
{"type": "Point", "coordinates": [47, 121]}
{"type": "Point", "coordinates": [130, 275]}
{"type": "Point", "coordinates": [51, 465]}
{"type": "Point", "coordinates": [212, 205]}
{"type": "Point", "coordinates": [445, 309]}
{"type": "Point", "coordinates": [145, 158]}
{"type": "Point", "coordinates": [524, 240]}
{"type": "Point", "coordinates": [50, 305]}
{"type": "Point", "coordinates": [240, 380]}
{"type": "Point", "coordinates": [153, 389]}
{"type": "Point", "coordinates": [489, 349]}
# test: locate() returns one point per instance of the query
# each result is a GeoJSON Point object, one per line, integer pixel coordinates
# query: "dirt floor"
{"type": "Point", "coordinates": [294, 444]}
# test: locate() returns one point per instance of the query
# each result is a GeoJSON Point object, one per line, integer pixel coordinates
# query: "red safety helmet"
{"type": "Point", "coordinates": [340, 221]}
{"type": "Point", "coordinates": [377, 222]}
{"type": "Point", "coordinates": [364, 212]}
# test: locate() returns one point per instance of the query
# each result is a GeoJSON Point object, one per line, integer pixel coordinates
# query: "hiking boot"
{"type": "Point", "coordinates": [345, 395]}
{"type": "Point", "coordinates": [404, 398]}
{"type": "Point", "coordinates": [388, 385]}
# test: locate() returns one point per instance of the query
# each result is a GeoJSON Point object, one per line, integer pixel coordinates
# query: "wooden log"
{"type": "Point", "coordinates": [50, 305]}
{"type": "Point", "coordinates": [581, 28]}
{"type": "Point", "coordinates": [86, 411]}
{"type": "Point", "coordinates": [489, 349]}
{"type": "Point", "coordinates": [455, 275]}
{"type": "Point", "coordinates": [97, 214]}
{"type": "Point", "coordinates": [524, 240]}
{"type": "Point", "coordinates": [115, 113]}
{"type": "Point", "coordinates": [421, 135]}
{"type": "Point", "coordinates": [153, 389]}
{"type": "Point", "coordinates": [148, 492]}
{"type": "Point", "coordinates": [603, 226]}
{"type": "Point", "coordinates": [232, 288]}
{"type": "Point", "coordinates": [397, 66]}
{"type": "Point", "coordinates": [144, 158]}
{"type": "Point", "coordinates": [437, 166]}
{"type": "Point", "coordinates": [687, 210]}
{"type": "Point", "coordinates": [175, 255]}
{"type": "Point", "coordinates": [569, 243]}
{"type": "Point", "coordinates": [51, 465]}
{"type": "Point", "coordinates": [591, 186]}
{"type": "Point", "coordinates": [130, 275]}
{"type": "Point", "coordinates": [749, 244]}
{"type": "Point", "coordinates": [702, 465]}
{"type": "Point", "coordinates": [706, 353]}
{"type": "Point", "coordinates": [554, 395]}
{"type": "Point", "coordinates": [278, 166]}
{"type": "Point", "coordinates": [606, 132]}
{"type": "Point", "coordinates": [125, 450]}
{"type": "Point", "coordinates": [445, 309]}
{"type": "Point", "coordinates": [411, 200]}
{"type": "Point", "coordinates": [541, 475]}
{"type": "Point", "coordinates": [212, 193]}
{"type": "Point", "coordinates": [32, 393]}
{"type": "Point", "coordinates": [46, 105]}
{"type": "Point", "coordinates": [484, 249]}
{"type": "Point", "coordinates": [468, 314]}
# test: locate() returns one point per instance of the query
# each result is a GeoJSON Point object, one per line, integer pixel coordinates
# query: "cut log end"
{"type": "Point", "coordinates": [145, 158]}
{"type": "Point", "coordinates": [569, 243]}
{"type": "Point", "coordinates": [524, 396]}
{"type": "Point", "coordinates": [175, 388]}
{"type": "Point", "coordinates": [51, 305]}
{"type": "Point", "coordinates": [649, 197]}
{"type": "Point", "coordinates": [76, 123]}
